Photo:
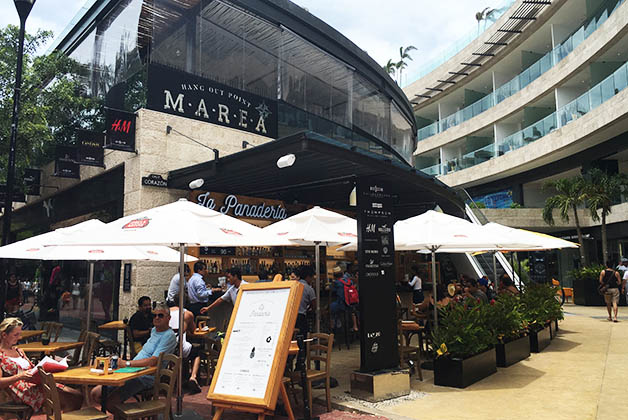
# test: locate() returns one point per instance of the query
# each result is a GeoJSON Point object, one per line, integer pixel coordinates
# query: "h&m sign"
{"type": "Point", "coordinates": [186, 95]}
{"type": "Point", "coordinates": [241, 206]}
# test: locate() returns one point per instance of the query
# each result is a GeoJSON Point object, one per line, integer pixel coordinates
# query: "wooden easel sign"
{"type": "Point", "coordinates": [254, 353]}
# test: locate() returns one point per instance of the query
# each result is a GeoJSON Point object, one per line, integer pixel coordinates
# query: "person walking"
{"type": "Point", "coordinates": [417, 286]}
{"type": "Point", "coordinates": [610, 283]}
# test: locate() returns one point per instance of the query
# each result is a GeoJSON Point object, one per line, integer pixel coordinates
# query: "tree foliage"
{"type": "Point", "coordinates": [53, 104]}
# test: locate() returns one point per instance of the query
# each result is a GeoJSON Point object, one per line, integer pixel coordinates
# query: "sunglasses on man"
{"type": "Point", "coordinates": [159, 315]}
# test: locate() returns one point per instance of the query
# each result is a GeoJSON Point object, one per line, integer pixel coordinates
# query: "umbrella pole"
{"type": "Point", "coordinates": [317, 250]}
{"type": "Point", "coordinates": [495, 271]}
{"type": "Point", "coordinates": [434, 288]}
{"type": "Point", "coordinates": [181, 332]}
{"type": "Point", "coordinates": [90, 293]}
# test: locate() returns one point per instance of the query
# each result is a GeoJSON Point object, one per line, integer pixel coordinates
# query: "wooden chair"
{"type": "Point", "coordinates": [166, 376]}
{"type": "Point", "coordinates": [52, 404]}
{"type": "Point", "coordinates": [202, 318]}
{"type": "Point", "coordinates": [131, 341]}
{"type": "Point", "coordinates": [408, 352]}
{"type": "Point", "coordinates": [89, 348]}
{"type": "Point", "coordinates": [210, 355]}
{"type": "Point", "coordinates": [318, 350]}
{"type": "Point", "coordinates": [76, 356]}
{"type": "Point", "coordinates": [53, 329]}
{"type": "Point", "coordinates": [20, 411]}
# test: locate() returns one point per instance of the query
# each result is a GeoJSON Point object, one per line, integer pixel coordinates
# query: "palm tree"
{"type": "Point", "coordinates": [483, 15]}
{"type": "Point", "coordinates": [404, 54]}
{"type": "Point", "coordinates": [570, 193]}
{"type": "Point", "coordinates": [390, 68]}
{"type": "Point", "coordinates": [602, 191]}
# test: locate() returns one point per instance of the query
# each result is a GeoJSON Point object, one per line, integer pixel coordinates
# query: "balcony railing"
{"type": "Point", "coordinates": [526, 77]}
{"type": "Point", "coordinates": [585, 103]}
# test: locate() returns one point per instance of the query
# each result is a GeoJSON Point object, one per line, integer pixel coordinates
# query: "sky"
{"type": "Point", "coordinates": [378, 27]}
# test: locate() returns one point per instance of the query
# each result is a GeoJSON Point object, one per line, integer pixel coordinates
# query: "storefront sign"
{"type": "Point", "coordinates": [241, 206]}
{"type": "Point", "coordinates": [154, 180]}
{"type": "Point", "coordinates": [65, 162]}
{"type": "Point", "coordinates": [90, 151]}
{"type": "Point", "coordinates": [120, 130]}
{"type": "Point", "coordinates": [376, 260]}
{"type": "Point", "coordinates": [32, 181]}
{"type": "Point", "coordinates": [17, 196]}
{"type": "Point", "coordinates": [186, 95]}
{"type": "Point", "coordinates": [126, 283]}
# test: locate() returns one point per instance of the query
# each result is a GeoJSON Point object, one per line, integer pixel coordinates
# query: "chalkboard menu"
{"type": "Point", "coordinates": [376, 260]}
{"type": "Point", "coordinates": [126, 284]}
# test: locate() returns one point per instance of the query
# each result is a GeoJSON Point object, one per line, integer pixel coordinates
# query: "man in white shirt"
{"type": "Point", "coordinates": [234, 276]}
{"type": "Point", "coordinates": [308, 299]}
{"type": "Point", "coordinates": [173, 289]}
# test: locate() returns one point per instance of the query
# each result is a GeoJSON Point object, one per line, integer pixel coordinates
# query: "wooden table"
{"type": "Point", "coordinates": [38, 347]}
{"type": "Point", "coordinates": [82, 376]}
{"type": "Point", "coordinates": [117, 325]}
{"type": "Point", "coordinates": [26, 334]}
{"type": "Point", "coordinates": [202, 333]}
{"type": "Point", "coordinates": [293, 350]}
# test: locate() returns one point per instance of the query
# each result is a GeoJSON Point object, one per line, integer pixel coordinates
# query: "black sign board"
{"type": "Point", "coordinates": [32, 181]}
{"type": "Point", "coordinates": [65, 162]}
{"type": "Point", "coordinates": [154, 180]}
{"type": "Point", "coordinates": [216, 251]}
{"type": "Point", "coordinates": [17, 195]}
{"type": "Point", "coordinates": [186, 95]}
{"type": "Point", "coordinates": [120, 130]}
{"type": "Point", "coordinates": [376, 260]}
{"type": "Point", "coordinates": [90, 151]}
{"type": "Point", "coordinates": [538, 267]}
{"type": "Point", "coordinates": [126, 283]}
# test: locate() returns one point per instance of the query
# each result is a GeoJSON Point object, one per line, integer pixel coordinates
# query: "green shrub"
{"type": "Point", "coordinates": [539, 305]}
{"type": "Point", "coordinates": [505, 318]}
{"type": "Point", "coordinates": [587, 273]}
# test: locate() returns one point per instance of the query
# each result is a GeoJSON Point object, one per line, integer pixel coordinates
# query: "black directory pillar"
{"type": "Point", "coordinates": [376, 259]}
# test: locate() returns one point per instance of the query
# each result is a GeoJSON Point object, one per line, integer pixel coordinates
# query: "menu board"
{"type": "Point", "coordinates": [255, 349]}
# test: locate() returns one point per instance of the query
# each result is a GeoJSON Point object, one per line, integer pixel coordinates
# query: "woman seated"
{"type": "Point", "coordinates": [506, 285]}
{"type": "Point", "coordinates": [18, 374]}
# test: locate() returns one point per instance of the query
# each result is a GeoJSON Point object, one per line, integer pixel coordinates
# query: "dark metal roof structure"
{"type": "Point", "coordinates": [323, 174]}
{"type": "Point", "coordinates": [520, 18]}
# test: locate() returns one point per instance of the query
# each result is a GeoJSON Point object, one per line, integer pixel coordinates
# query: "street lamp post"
{"type": "Point", "coordinates": [24, 8]}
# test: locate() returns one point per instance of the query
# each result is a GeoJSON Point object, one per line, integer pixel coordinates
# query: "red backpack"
{"type": "Point", "coordinates": [351, 293]}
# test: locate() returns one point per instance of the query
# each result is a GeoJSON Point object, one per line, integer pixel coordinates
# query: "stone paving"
{"type": "Point", "coordinates": [582, 375]}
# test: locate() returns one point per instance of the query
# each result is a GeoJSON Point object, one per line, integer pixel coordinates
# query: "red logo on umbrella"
{"type": "Point", "coordinates": [230, 232]}
{"type": "Point", "coordinates": [282, 233]}
{"type": "Point", "coordinates": [96, 251]}
{"type": "Point", "coordinates": [152, 252]}
{"type": "Point", "coordinates": [345, 234]}
{"type": "Point", "coordinates": [137, 223]}
{"type": "Point", "coordinates": [32, 250]}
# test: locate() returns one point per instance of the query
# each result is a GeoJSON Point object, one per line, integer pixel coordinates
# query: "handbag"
{"type": "Point", "coordinates": [602, 289]}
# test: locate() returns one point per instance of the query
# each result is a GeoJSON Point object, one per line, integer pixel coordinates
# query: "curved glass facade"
{"type": "Point", "coordinates": [549, 60]}
{"type": "Point", "coordinates": [219, 41]}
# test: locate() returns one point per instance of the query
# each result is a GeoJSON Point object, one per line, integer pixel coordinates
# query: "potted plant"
{"type": "Point", "coordinates": [509, 327]}
{"type": "Point", "coordinates": [465, 351]}
{"type": "Point", "coordinates": [539, 308]}
{"type": "Point", "coordinates": [585, 284]}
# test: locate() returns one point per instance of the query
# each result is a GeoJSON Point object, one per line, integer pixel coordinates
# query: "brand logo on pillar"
{"type": "Point", "coordinates": [137, 223]}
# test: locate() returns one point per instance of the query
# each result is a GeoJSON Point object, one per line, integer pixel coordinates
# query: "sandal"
{"type": "Point", "coordinates": [615, 320]}
{"type": "Point", "coordinates": [609, 319]}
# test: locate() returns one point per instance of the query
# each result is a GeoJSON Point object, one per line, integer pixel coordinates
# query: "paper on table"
{"type": "Point", "coordinates": [249, 356]}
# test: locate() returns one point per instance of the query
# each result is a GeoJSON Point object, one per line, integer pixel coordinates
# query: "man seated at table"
{"type": "Point", "coordinates": [141, 322]}
{"type": "Point", "coordinates": [162, 340]}
{"type": "Point", "coordinates": [234, 276]}
{"type": "Point", "coordinates": [472, 290]}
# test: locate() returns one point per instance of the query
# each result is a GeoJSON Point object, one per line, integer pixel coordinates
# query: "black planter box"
{"type": "Point", "coordinates": [585, 293]}
{"type": "Point", "coordinates": [539, 340]}
{"type": "Point", "coordinates": [513, 351]}
{"type": "Point", "coordinates": [460, 373]}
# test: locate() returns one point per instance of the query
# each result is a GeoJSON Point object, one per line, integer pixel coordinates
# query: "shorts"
{"type": "Point", "coordinates": [612, 296]}
{"type": "Point", "coordinates": [134, 386]}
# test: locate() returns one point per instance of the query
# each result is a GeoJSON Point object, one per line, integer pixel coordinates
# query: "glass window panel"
{"type": "Point", "coordinates": [401, 134]}
{"type": "Point", "coordinates": [371, 110]}
{"type": "Point", "coordinates": [607, 88]}
{"type": "Point", "coordinates": [595, 96]}
{"type": "Point", "coordinates": [620, 79]}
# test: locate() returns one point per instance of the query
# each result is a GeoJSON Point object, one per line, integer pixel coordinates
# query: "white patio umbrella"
{"type": "Point", "coordinates": [536, 240]}
{"type": "Point", "coordinates": [315, 227]}
{"type": "Point", "coordinates": [180, 224]}
{"type": "Point", "coordinates": [33, 249]}
{"type": "Point", "coordinates": [438, 232]}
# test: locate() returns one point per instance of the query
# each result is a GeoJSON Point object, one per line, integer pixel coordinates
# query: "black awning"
{"type": "Point", "coordinates": [323, 174]}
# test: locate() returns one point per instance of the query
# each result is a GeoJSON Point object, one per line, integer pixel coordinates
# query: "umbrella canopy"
{"type": "Point", "coordinates": [181, 222]}
{"type": "Point", "coordinates": [33, 248]}
{"type": "Point", "coordinates": [535, 240]}
{"type": "Point", "coordinates": [313, 226]}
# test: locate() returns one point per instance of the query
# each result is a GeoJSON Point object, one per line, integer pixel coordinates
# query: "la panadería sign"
{"type": "Point", "coordinates": [240, 206]}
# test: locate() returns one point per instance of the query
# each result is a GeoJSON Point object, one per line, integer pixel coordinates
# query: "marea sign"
{"type": "Point", "coordinates": [120, 133]}
{"type": "Point", "coordinates": [90, 150]}
{"type": "Point", "coordinates": [65, 162]}
{"type": "Point", "coordinates": [187, 95]}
